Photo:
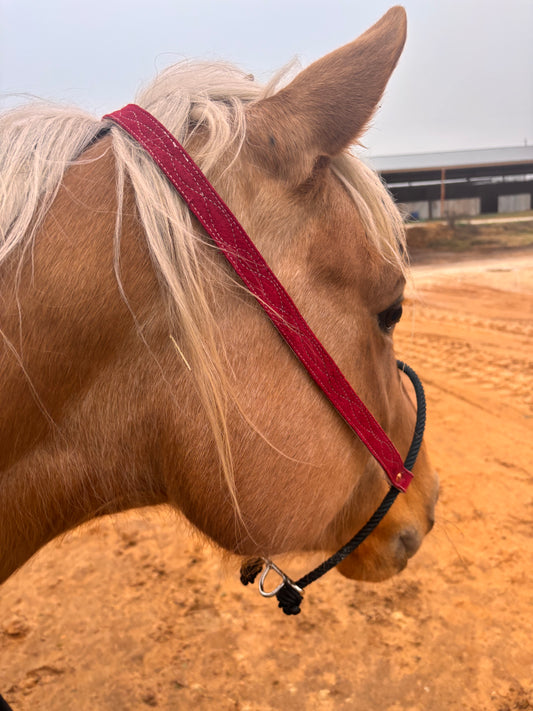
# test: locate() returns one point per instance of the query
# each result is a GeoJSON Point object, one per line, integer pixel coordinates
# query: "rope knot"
{"type": "Point", "coordinates": [250, 569]}
{"type": "Point", "coordinates": [289, 599]}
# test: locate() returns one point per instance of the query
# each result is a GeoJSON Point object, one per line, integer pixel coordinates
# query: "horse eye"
{"type": "Point", "coordinates": [389, 318]}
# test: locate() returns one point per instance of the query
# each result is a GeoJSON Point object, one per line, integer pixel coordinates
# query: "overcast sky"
{"type": "Point", "coordinates": [465, 79]}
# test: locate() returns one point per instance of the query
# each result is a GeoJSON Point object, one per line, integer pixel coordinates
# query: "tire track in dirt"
{"type": "Point", "coordinates": [132, 612]}
{"type": "Point", "coordinates": [474, 351]}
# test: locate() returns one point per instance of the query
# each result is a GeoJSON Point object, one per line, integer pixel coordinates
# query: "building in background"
{"type": "Point", "coordinates": [460, 183]}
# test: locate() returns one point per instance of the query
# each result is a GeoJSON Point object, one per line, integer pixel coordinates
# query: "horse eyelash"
{"type": "Point", "coordinates": [388, 318]}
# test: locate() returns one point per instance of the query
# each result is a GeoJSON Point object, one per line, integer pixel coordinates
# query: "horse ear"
{"type": "Point", "coordinates": [328, 105]}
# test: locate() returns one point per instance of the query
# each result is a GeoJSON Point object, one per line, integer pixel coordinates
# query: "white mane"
{"type": "Point", "coordinates": [39, 141]}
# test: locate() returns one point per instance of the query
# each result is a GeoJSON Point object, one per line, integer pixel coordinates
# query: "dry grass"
{"type": "Point", "coordinates": [462, 236]}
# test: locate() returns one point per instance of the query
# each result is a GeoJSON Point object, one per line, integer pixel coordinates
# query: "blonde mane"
{"type": "Point", "coordinates": [39, 141]}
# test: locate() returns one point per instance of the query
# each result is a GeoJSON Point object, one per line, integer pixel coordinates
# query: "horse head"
{"type": "Point", "coordinates": [169, 384]}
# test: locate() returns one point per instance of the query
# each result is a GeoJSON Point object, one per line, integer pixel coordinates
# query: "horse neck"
{"type": "Point", "coordinates": [76, 430]}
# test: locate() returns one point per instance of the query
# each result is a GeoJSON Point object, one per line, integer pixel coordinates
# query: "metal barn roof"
{"type": "Point", "coordinates": [451, 159]}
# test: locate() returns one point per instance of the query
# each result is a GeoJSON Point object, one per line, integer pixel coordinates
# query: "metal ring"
{"type": "Point", "coordinates": [285, 580]}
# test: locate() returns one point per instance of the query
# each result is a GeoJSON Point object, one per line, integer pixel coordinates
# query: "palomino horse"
{"type": "Point", "coordinates": [135, 368]}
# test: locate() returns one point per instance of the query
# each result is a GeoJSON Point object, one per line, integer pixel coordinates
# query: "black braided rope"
{"type": "Point", "coordinates": [289, 598]}
{"type": "Point", "coordinates": [4, 706]}
{"type": "Point", "coordinates": [391, 495]}
{"type": "Point", "coordinates": [353, 543]}
{"type": "Point", "coordinates": [420, 424]}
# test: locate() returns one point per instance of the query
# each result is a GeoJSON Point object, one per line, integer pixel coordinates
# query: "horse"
{"type": "Point", "coordinates": [135, 367]}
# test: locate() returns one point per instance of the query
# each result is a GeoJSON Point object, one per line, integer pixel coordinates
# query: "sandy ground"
{"type": "Point", "coordinates": [133, 613]}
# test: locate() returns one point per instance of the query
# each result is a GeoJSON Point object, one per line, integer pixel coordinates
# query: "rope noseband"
{"type": "Point", "coordinates": [224, 229]}
{"type": "Point", "coordinates": [289, 593]}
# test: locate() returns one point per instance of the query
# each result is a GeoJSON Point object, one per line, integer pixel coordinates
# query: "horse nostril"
{"type": "Point", "coordinates": [411, 540]}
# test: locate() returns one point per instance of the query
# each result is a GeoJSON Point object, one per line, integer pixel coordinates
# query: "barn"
{"type": "Point", "coordinates": [459, 183]}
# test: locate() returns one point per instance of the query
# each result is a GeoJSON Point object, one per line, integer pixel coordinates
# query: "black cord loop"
{"type": "Point", "coordinates": [4, 706]}
{"type": "Point", "coordinates": [290, 595]}
{"type": "Point", "coordinates": [420, 424]}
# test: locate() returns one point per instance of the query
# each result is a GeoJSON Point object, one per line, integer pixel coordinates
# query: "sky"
{"type": "Point", "coordinates": [465, 80]}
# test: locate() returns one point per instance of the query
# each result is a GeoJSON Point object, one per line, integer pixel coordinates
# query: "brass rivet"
{"type": "Point", "coordinates": [399, 477]}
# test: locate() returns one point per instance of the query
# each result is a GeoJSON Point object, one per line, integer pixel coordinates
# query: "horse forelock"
{"type": "Point", "coordinates": [39, 140]}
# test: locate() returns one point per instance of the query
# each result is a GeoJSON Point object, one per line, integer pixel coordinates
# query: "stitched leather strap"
{"type": "Point", "coordinates": [223, 227]}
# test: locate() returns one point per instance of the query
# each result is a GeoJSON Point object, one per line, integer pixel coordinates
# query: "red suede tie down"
{"type": "Point", "coordinates": [223, 227]}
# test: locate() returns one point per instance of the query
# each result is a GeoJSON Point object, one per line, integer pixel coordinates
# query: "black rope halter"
{"type": "Point", "coordinates": [289, 593]}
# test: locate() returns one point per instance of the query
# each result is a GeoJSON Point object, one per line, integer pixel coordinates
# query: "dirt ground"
{"type": "Point", "coordinates": [133, 612]}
